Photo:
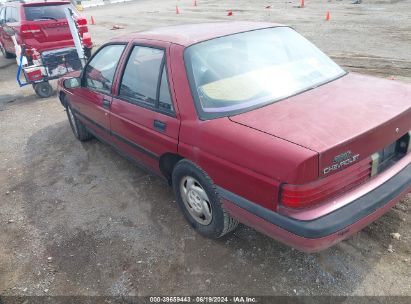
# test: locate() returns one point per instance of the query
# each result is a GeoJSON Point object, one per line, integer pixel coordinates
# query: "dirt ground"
{"type": "Point", "coordinates": [78, 219]}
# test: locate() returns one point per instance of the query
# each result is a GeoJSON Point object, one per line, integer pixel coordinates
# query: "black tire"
{"type": "Point", "coordinates": [6, 54]}
{"type": "Point", "coordinates": [221, 222]}
{"type": "Point", "coordinates": [87, 52]}
{"type": "Point", "coordinates": [43, 89]}
{"type": "Point", "coordinates": [79, 129]}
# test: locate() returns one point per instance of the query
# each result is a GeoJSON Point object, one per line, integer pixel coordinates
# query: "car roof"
{"type": "Point", "coordinates": [189, 34]}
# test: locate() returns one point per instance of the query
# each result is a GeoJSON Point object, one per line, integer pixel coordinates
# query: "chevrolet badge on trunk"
{"type": "Point", "coordinates": [342, 160]}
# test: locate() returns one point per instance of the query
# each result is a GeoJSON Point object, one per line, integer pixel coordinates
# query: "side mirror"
{"type": "Point", "coordinates": [72, 83]}
{"type": "Point", "coordinates": [9, 30]}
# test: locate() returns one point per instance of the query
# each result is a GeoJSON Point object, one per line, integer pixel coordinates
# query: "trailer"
{"type": "Point", "coordinates": [51, 64]}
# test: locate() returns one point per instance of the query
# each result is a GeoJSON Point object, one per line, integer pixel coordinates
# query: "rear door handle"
{"type": "Point", "coordinates": [159, 125]}
{"type": "Point", "coordinates": [106, 104]}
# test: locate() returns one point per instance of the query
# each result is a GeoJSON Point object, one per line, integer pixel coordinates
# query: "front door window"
{"type": "Point", "coordinates": [99, 73]}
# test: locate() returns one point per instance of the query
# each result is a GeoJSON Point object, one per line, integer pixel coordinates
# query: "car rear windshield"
{"type": "Point", "coordinates": [44, 12]}
{"type": "Point", "coordinates": [240, 72]}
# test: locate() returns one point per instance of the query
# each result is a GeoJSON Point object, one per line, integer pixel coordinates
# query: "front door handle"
{"type": "Point", "coordinates": [106, 104]}
{"type": "Point", "coordinates": [159, 125]}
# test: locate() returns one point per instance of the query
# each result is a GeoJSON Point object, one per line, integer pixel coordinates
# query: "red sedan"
{"type": "Point", "coordinates": [250, 122]}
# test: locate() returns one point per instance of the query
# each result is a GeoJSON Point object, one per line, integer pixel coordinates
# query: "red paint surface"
{"type": "Point", "coordinates": [356, 112]}
{"type": "Point", "coordinates": [302, 243]}
{"type": "Point", "coordinates": [252, 154]}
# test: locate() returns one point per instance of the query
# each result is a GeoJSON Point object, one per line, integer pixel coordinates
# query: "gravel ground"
{"type": "Point", "coordinates": [78, 219]}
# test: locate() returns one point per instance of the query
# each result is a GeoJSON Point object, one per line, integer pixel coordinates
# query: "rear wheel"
{"type": "Point", "coordinates": [5, 53]}
{"type": "Point", "coordinates": [199, 200]}
{"type": "Point", "coordinates": [43, 89]}
{"type": "Point", "coordinates": [79, 129]}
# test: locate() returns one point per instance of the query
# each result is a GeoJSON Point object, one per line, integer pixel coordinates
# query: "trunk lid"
{"type": "Point", "coordinates": [48, 23]}
{"type": "Point", "coordinates": [50, 30]}
{"type": "Point", "coordinates": [346, 120]}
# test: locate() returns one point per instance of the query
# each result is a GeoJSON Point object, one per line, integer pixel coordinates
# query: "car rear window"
{"type": "Point", "coordinates": [44, 12]}
{"type": "Point", "coordinates": [244, 71]}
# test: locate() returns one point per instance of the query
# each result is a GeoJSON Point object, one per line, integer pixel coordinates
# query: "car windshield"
{"type": "Point", "coordinates": [45, 12]}
{"type": "Point", "coordinates": [236, 73]}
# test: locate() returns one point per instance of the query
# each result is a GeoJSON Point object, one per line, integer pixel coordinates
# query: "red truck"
{"type": "Point", "coordinates": [39, 26]}
{"type": "Point", "coordinates": [251, 123]}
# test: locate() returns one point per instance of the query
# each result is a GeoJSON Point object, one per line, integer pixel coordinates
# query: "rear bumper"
{"type": "Point", "coordinates": [325, 231]}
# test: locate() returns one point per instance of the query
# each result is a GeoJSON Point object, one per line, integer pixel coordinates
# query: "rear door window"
{"type": "Point", "coordinates": [11, 15]}
{"type": "Point", "coordinates": [140, 77]}
{"type": "Point", "coordinates": [2, 14]}
{"type": "Point", "coordinates": [45, 12]}
{"type": "Point", "coordinates": [145, 81]}
{"type": "Point", "coordinates": [164, 99]}
{"type": "Point", "coordinates": [100, 71]}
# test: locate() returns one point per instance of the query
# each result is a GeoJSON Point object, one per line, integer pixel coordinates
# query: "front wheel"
{"type": "Point", "coordinates": [79, 129]}
{"type": "Point", "coordinates": [198, 199]}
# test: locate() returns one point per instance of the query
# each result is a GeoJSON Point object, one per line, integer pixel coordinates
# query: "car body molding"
{"type": "Point", "coordinates": [336, 220]}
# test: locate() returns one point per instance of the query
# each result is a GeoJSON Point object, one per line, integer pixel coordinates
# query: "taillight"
{"type": "Point", "coordinates": [28, 30]}
{"type": "Point", "coordinates": [82, 22]}
{"type": "Point", "coordinates": [299, 196]}
{"type": "Point", "coordinates": [86, 39]}
{"type": "Point", "coordinates": [82, 25]}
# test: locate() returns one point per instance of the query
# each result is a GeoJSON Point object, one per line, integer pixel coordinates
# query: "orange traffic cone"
{"type": "Point", "coordinates": [327, 16]}
{"type": "Point", "coordinates": [230, 13]}
{"type": "Point", "coordinates": [177, 10]}
{"type": "Point", "coordinates": [92, 22]}
{"type": "Point", "coordinates": [302, 4]}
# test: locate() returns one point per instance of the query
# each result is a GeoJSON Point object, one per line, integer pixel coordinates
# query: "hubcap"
{"type": "Point", "coordinates": [196, 200]}
{"type": "Point", "coordinates": [73, 121]}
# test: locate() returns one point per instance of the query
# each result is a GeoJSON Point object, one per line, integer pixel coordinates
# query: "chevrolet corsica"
{"type": "Point", "coordinates": [251, 123]}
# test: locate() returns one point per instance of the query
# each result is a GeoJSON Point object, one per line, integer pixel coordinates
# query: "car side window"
{"type": "Point", "coordinates": [99, 72]}
{"type": "Point", "coordinates": [15, 15]}
{"type": "Point", "coordinates": [145, 79]}
{"type": "Point", "coordinates": [2, 14]}
{"type": "Point", "coordinates": [11, 15]}
{"type": "Point", "coordinates": [7, 14]}
{"type": "Point", "coordinates": [164, 99]}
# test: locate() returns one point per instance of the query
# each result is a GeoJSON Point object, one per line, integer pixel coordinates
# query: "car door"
{"type": "Point", "coordinates": [91, 101]}
{"type": "Point", "coordinates": [144, 120]}
{"type": "Point", "coordinates": [12, 20]}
